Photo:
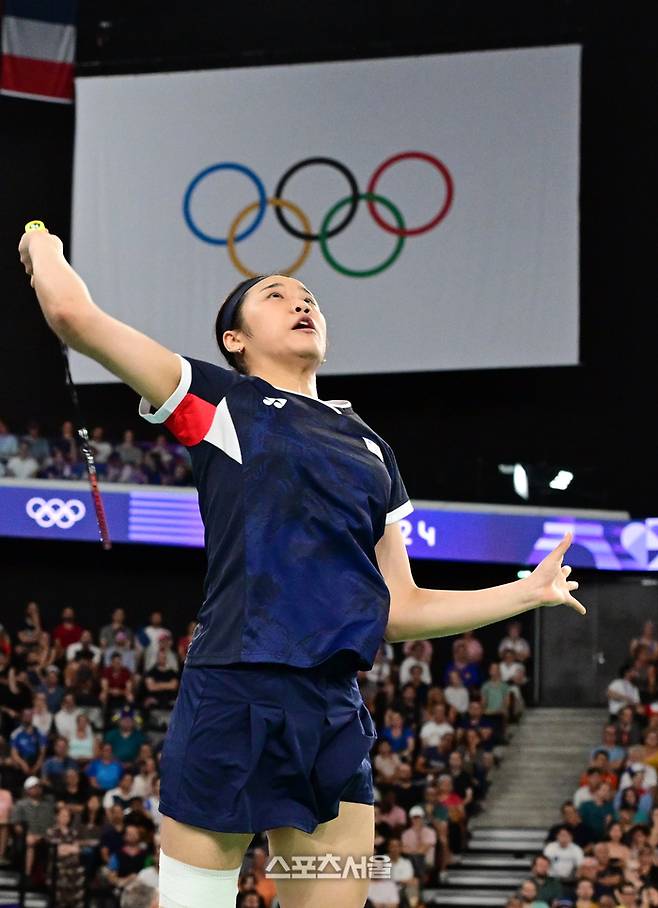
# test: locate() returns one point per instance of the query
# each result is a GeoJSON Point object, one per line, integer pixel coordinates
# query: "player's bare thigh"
{"type": "Point", "coordinates": [351, 833]}
{"type": "Point", "coordinates": [202, 847]}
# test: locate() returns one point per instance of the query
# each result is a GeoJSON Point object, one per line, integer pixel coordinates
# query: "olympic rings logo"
{"type": "Point", "coordinates": [55, 512]}
{"type": "Point", "coordinates": [328, 229]}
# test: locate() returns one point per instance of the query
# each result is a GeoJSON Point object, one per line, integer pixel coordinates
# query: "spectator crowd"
{"type": "Point", "coordinates": [83, 713]}
{"type": "Point", "coordinates": [603, 852]}
{"type": "Point", "coordinates": [32, 456]}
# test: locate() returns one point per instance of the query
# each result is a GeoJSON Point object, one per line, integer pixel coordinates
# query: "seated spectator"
{"type": "Point", "coordinates": [65, 719]}
{"type": "Point", "coordinates": [463, 782]}
{"type": "Point", "coordinates": [402, 870]}
{"type": "Point", "coordinates": [627, 896]}
{"type": "Point", "coordinates": [128, 450]}
{"type": "Point", "coordinates": [512, 671]}
{"type": "Point", "coordinates": [28, 632]}
{"type": "Point", "coordinates": [125, 864]}
{"type": "Point", "coordinates": [116, 685]}
{"type": "Point", "coordinates": [112, 830]}
{"type": "Point", "coordinates": [143, 782]}
{"type": "Point", "coordinates": [126, 738]}
{"type": "Point", "coordinates": [474, 651]}
{"type": "Point", "coordinates": [55, 767]}
{"type": "Point", "coordinates": [386, 763]}
{"type": "Point", "coordinates": [391, 812]}
{"type": "Point", "coordinates": [469, 671]}
{"type": "Point", "coordinates": [52, 689]}
{"type": "Point", "coordinates": [456, 808]}
{"type": "Point", "coordinates": [59, 466]}
{"type": "Point", "coordinates": [477, 761]}
{"type": "Point", "coordinates": [400, 737]}
{"type": "Point", "coordinates": [597, 812]}
{"type": "Point", "coordinates": [101, 449]}
{"type": "Point", "coordinates": [416, 658]}
{"type": "Point", "coordinates": [496, 701]}
{"type": "Point", "coordinates": [616, 754]}
{"type": "Point", "coordinates": [644, 873]}
{"type": "Point", "coordinates": [68, 631]}
{"type": "Point", "coordinates": [435, 728]}
{"type": "Point", "coordinates": [601, 762]}
{"type": "Point", "coordinates": [617, 849]}
{"type": "Point", "coordinates": [84, 644]}
{"type": "Point", "coordinates": [408, 790]}
{"type": "Point", "coordinates": [161, 684]}
{"type": "Point", "coordinates": [8, 442]}
{"type": "Point", "coordinates": [623, 692]}
{"type": "Point", "coordinates": [84, 680]}
{"type": "Point", "coordinates": [83, 743]}
{"type": "Point", "coordinates": [73, 791]}
{"type": "Point", "coordinates": [515, 642]}
{"type": "Point", "coordinates": [42, 718]}
{"type": "Point", "coordinates": [105, 771]}
{"type": "Point", "coordinates": [456, 693]}
{"type": "Point", "coordinates": [109, 632]}
{"type": "Point", "coordinates": [28, 746]}
{"type": "Point", "coordinates": [627, 727]}
{"type": "Point", "coordinates": [585, 895]}
{"type": "Point", "coordinates": [528, 895]}
{"type": "Point", "coordinates": [565, 856]}
{"type": "Point", "coordinates": [22, 465]}
{"type": "Point", "coordinates": [476, 720]}
{"type": "Point", "coordinates": [34, 813]}
{"type": "Point", "coordinates": [549, 888]}
{"type": "Point", "coordinates": [609, 873]}
{"type": "Point", "coordinates": [419, 687]}
{"type": "Point", "coordinates": [586, 792]}
{"type": "Point", "coordinates": [164, 645]}
{"type": "Point", "coordinates": [122, 794]}
{"type": "Point", "coordinates": [129, 654]}
{"type": "Point", "coordinates": [419, 842]}
{"type": "Point", "coordinates": [69, 875]}
{"type": "Point", "coordinates": [636, 801]}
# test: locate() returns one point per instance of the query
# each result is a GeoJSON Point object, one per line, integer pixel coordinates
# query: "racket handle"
{"type": "Point", "coordinates": [34, 225]}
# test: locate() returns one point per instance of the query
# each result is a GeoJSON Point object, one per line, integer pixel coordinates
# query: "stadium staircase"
{"type": "Point", "coordinates": [546, 755]}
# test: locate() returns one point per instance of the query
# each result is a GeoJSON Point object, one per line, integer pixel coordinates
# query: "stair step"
{"type": "Point", "coordinates": [468, 898]}
{"type": "Point", "coordinates": [502, 861]}
{"type": "Point", "coordinates": [504, 845]}
{"type": "Point", "coordinates": [512, 832]}
{"type": "Point", "coordinates": [492, 878]}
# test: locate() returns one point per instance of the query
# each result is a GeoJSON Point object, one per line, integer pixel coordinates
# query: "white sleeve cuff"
{"type": "Point", "coordinates": [399, 512]}
{"type": "Point", "coordinates": [172, 402]}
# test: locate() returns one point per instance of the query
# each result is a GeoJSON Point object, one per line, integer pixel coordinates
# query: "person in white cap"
{"type": "Point", "coordinates": [419, 839]}
{"type": "Point", "coordinates": [35, 814]}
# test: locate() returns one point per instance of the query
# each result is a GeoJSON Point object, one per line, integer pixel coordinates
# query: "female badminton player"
{"type": "Point", "coordinates": [307, 572]}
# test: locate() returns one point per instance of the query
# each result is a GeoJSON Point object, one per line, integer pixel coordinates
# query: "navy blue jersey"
{"type": "Point", "coordinates": [294, 493]}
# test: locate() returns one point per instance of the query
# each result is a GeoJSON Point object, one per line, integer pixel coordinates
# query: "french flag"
{"type": "Point", "coordinates": [38, 49]}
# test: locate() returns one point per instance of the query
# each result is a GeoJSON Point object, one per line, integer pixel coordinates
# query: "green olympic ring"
{"type": "Point", "coordinates": [324, 230]}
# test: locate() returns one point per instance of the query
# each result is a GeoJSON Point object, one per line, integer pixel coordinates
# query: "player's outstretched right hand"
{"type": "Point", "coordinates": [36, 236]}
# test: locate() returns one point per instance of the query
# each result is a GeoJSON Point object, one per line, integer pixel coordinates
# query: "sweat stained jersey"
{"type": "Point", "coordinates": [294, 493]}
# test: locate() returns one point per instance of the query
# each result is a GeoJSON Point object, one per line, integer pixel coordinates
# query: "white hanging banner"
{"type": "Point", "coordinates": [466, 257]}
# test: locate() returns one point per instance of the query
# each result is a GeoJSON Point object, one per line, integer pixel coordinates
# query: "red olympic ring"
{"type": "Point", "coordinates": [422, 156]}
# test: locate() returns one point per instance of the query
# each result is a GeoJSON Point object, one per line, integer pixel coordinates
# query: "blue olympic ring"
{"type": "Point", "coordinates": [227, 165]}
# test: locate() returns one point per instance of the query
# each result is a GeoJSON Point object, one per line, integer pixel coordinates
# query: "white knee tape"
{"type": "Point", "coordinates": [184, 886]}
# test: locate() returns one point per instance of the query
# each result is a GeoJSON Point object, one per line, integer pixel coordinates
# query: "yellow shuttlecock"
{"type": "Point", "coordinates": [35, 225]}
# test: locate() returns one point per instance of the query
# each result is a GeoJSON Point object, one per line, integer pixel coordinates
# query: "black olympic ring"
{"type": "Point", "coordinates": [351, 211]}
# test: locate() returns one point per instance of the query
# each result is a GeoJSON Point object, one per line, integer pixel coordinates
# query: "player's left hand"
{"type": "Point", "coordinates": [549, 583]}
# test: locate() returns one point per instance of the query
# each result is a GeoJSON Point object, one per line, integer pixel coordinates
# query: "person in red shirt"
{"type": "Point", "coordinates": [66, 632]}
{"type": "Point", "coordinates": [116, 684]}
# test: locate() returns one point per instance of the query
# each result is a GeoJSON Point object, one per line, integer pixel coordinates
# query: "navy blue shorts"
{"type": "Point", "coordinates": [254, 746]}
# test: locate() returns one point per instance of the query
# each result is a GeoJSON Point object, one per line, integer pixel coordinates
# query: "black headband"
{"type": "Point", "coordinates": [228, 310]}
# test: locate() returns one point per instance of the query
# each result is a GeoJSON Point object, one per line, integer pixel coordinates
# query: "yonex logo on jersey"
{"type": "Point", "coordinates": [374, 447]}
{"type": "Point", "coordinates": [277, 401]}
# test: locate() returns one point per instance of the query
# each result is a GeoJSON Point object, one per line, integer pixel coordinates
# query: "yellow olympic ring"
{"type": "Point", "coordinates": [278, 203]}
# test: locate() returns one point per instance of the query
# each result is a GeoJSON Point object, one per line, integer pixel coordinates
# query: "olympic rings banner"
{"type": "Point", "coordinates": [430, 203]}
